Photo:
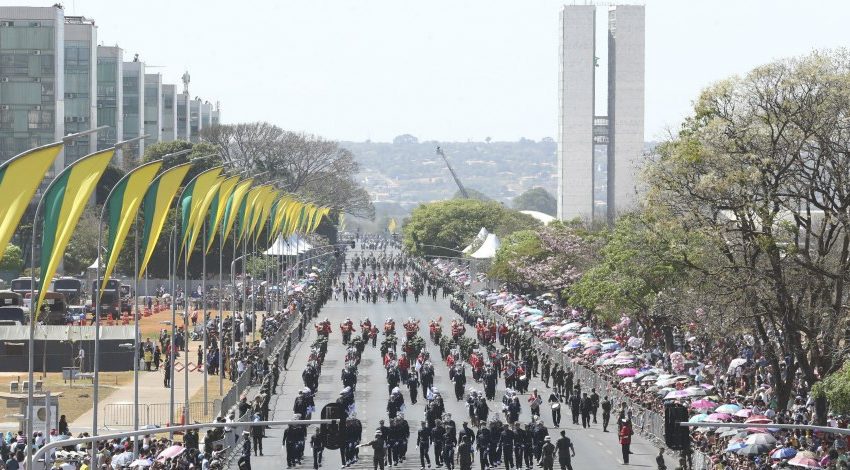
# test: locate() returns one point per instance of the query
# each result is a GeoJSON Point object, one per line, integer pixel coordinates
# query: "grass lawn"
{"type": "Point", "coordinates": [75, 400]}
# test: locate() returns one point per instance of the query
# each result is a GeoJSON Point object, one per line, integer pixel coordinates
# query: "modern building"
{"type": "Point", "coordinates": [134, 106]}
{"type": "Point", "coordinates": [183, 128]}
{"type": "Point", "coordinates": [153, 108]}
{"type": "Point", "coordinates": [32, 79]}
{"type": "Point", "coordinates": [576, 105]}
{"type": "Point", "coordinates": [598, 155]}
{"type": "Point", "coordinates": [169, 112]}
{"type": "Point", "coordinates": [216, 114]}
{"type": "Point", "coordinates": [80, 86]}
{"type": "Point", "coordinates": [195, 123]}
{"type": "Point", "coordinates": [110, 95]}
{"type": "Point", "coordinates": [626, 70]}
{"type": "Point", "coordinates": [206, 114]}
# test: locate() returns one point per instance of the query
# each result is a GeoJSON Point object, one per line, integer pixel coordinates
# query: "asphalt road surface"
{"type": "Point", "coordinates": [594, 449]}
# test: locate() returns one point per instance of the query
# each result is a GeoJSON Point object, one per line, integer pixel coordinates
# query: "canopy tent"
{"type": "Point", "coordinates": [544, 218]}
{"type": "Point", "coordinates": [482, 235]}
{"type": "Point", "coordinates": [488, 248]}
{"type": "Point", "coordinates": [291, 246]}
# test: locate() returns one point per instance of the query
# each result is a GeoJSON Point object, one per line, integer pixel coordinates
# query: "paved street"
{"type": "Point", "coordinates": [594, 449]}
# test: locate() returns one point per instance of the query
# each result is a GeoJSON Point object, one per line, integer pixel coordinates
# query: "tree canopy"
{"type": "Point", "coordinates": [454, 223]}
{"type": "Point", "coordinates": [536, 199]}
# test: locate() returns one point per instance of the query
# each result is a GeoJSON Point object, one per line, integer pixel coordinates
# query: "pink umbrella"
{"type": "Point", "coordinates": [719, 417]}
{"type": "Point", "coordinates": [627, 372]}
{"type": "Point", "coordinates": [590, 351]}
{"type": "Point", "coordinates": [758, 419]}
{"type": "Point", "coordinates": [744, 413]}
{"type": "Point", "coordinates": [677, 394]}
{"type": "Point", "coordinates": [703, 405]}
{"type": "Point", "coordinates": [170, 452]}
{"type": "Point", "coordinates": [803, 461]}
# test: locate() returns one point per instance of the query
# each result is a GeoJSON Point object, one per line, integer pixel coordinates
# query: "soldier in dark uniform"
{"type": "Point", "coordinates": [506, 443]}
{"type": "Point", "coordinates": [464, 453]}
{"type": "Point", "coordinates": [423, 442]}
{"type": "Point", "coordinates": [379, 450]}
{"type": "Point", "coordinates": [482, 443]}
{"type": "Point", "coordinates": [565, 451]}
{"type": "Point", "coordinates": [438, 434]}
{"type": "Point", "coordinates": [547, 454]}
{"type": "Point", "coordinates": [318, 445]}
{"type": "Point", "coordinates": [606, 413]}
{"type": "Point", "coordinates": [586, 406]}
{"type": "Point", "coordinates": [519, 443]}
{"type": "Point", "coordinates": [594, 403]}
{"type": "Point", "coordinates": [575, 407]}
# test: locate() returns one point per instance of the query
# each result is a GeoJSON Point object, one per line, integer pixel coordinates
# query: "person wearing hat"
{"type": "Point", "coordinates": [317, 443]}
{"type": "Point", "coordinates": [547, 454]}
{"type": "Point", "coordinates": [245, 457]}
{"type": "Point", "coordinates": [291, 438]}
{"type": "Point", "coordinates": [378, 450]}
{"type": "Point", "coordinates": [566, 450]}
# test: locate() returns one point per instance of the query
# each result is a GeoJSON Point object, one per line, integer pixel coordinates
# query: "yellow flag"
{"type": "Point", "coordinates": [219, 206]}
{"type": "Point", "coordinates": [19, 179]}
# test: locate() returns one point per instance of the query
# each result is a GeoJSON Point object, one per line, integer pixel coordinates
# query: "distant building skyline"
{"type": "Point", "coordinates": [56, 80]}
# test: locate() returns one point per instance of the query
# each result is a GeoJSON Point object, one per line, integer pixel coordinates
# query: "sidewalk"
{"type": "Point", "coordinates": [151, 392]}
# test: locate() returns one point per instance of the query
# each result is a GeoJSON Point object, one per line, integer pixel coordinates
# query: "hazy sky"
{"type": "Point", "coordinates": [438, 69]}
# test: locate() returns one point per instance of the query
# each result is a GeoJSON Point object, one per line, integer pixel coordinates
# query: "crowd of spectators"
{"type": "Point", "coordinates": [705, 373]}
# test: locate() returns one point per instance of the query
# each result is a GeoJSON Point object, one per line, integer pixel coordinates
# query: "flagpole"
{"type": "Point", "coordinates": [136, 340]}
{"type": "Point", "coordinates": [186, 337]}
{"type": "Point", "coordinates": [221, 312]}
{"type": "Point", "coordinates": [173, 270]}
{"type": "Point", "coordinates": [204, 306]}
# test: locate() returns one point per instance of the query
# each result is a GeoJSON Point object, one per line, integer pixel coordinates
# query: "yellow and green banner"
{"type": "Point", "coordinates": [19, 179]}
{"type": "Point", "coordinates": [234, 203]}
{"type": "Point", "coordinates": [197, 220]}
{"type": "Point", "coordinates": [64, 201]}
{"type": "Point", "coordinates": [218, 207]}
{"type": "Point", "coordinates": [392, 225]}
{"type": "Point", "coordinates": [155, 208]}
{"type": "Point", "coordinates": [122, 207]}
{"type": "Point", "coordinates": [191, 201]}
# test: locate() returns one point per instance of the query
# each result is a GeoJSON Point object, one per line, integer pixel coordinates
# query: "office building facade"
{"type": "Point", "coordinates": [183, 128]}
{"type": "Point", "coordinates": [598, 155]}
{"type": "Point", "coordinates": [80, 86]}
{"type": "Point", "coordinates": [134, 106]}
{"type": "Point", "coordinates": [169, 112]}
{"type": "Point", "coordinates": [110, 102]}
{"type": "Point", "coordinates": [195, 123]}
{"type": "Point", "coordinates": [153, 108]}
{"type": "Point", "coordinates": [32, 79]}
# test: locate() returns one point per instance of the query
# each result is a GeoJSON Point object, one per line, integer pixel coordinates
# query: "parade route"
{"type": "Point", "coordinates": [594, 449]}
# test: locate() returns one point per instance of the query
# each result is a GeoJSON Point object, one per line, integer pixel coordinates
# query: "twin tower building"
{"type": "Point", "coordinates": [599, 155]}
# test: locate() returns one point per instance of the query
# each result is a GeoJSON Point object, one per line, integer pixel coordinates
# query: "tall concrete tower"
{"type": "Point", "coordinates": [600, 188]}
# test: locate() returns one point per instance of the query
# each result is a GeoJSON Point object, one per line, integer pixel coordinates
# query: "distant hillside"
{"type": "Point", "coordinates": [407, 171]}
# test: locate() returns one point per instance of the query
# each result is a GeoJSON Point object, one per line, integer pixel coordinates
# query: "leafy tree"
{"type": "Point", "coordinates": [452, 224]}
{"type": "Point", "coordinates": [760, 172]}
{"type": "Point", "coordinates": [522, 244]}
{"type": "Point", "coordinates": [258, 266]}
{"type": "Point", "coordinates": [108, 181]}
{"type": "Point", "coordinates": [536, 199]}
{"type": "Point", "coordinates": [12, 260]}
{"type": "Point", "coordinates": [473, 194]}
{"type": "Point", "coordinates": [836, 389]}
{"type": "Point", "coordinates": [639, 260]}
{"type": "Point", "coordinates": [201, 149]}
{"type": "Point", "coordinates": [563, 257]}
{"type": "Point", "coordinates": [82, 248]}
{"type": "Point", "coordinates": [311, 166]}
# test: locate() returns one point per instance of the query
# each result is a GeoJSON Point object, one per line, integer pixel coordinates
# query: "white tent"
{"type": "Point", "coordinates": [545, 218]}
{"type": "Point", "coordinates": [488, 248]}
{"type": "Point", "coordinates": [288, 247]}
{"type": "Point", "coordinates": [482, 235]}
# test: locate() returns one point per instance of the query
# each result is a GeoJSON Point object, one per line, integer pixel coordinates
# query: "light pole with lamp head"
{"type": "Point", "coordinates": [33, 314]}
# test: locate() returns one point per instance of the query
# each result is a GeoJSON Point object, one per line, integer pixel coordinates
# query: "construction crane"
{"type": "Point", "coordinates": [454, 175]}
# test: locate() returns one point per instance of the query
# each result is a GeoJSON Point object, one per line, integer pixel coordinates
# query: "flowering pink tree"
{"type": "Point", "coordinates": [558, 265]}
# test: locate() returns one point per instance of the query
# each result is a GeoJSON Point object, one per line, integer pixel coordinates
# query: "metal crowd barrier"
{"type": "Point", "coordinates": [647, 422]}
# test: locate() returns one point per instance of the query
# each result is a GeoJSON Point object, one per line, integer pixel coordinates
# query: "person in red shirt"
{"type": "Point", "coordinates": [626, 432]}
